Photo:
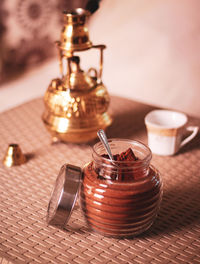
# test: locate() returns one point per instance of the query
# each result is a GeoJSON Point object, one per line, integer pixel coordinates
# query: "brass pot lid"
{"type": "Point", "coordinates": [14, 156]}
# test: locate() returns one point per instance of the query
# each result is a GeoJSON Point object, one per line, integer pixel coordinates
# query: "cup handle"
{"type": "Point", "coordinates": [194, 130]}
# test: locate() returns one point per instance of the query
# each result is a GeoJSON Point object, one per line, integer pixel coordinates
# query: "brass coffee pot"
{"type": "Point", "coordinates": [76, 104]}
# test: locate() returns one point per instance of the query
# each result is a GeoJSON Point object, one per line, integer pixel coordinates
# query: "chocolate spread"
{"type": "Point", "coordinates": [120, 207]}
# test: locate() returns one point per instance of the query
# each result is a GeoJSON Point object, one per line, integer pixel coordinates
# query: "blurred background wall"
{"type": "Point", "coordinates": [153, 49]}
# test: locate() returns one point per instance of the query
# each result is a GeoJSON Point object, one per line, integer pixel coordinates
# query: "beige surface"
{"type": "Point", "coordinates": [25, 191]}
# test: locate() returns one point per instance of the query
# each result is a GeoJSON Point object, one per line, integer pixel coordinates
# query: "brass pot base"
{"type": "Point", "coordinates": [75, 131]}
{"type": "Point", "coordinates": [76, 136]}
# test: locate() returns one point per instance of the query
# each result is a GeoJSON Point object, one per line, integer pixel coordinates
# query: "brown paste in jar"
{"type": "Point", "coordinates": [119, 207]}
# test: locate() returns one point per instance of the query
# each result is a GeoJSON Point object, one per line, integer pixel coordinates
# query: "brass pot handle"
{"type": "Point", "coordinates": [95, 73]}
{"type": "Point", "coordinates": [101, 48]}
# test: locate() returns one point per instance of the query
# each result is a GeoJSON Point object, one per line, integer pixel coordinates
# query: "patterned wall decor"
{"type": "Point", "coordinates": [28, 30]}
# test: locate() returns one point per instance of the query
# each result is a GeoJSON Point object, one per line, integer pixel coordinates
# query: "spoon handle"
{"type": "Point", "coordinates": [102, 136]}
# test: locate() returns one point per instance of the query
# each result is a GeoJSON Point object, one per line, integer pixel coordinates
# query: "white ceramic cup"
{"type": "Point", "coordinates": [165, 130]}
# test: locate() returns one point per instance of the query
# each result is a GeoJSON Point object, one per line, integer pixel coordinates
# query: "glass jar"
{"type": "Point", "coordinates": [118, 198]}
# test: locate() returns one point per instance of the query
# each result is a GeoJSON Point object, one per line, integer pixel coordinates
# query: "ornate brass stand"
{"type": "Point", "coordinates": [76, 104]}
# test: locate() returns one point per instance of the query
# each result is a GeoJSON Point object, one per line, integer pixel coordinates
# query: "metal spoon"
{"type": "Point", "coordinates": [103, 138]}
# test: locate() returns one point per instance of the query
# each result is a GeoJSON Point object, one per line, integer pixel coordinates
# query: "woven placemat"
{"type": "Point", "coordinates": [25, 191]}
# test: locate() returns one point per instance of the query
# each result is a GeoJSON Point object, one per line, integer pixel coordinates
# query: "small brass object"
{"type": "Point", "coordinates": [76, 104]}
{"type": "Point", "coordinates": [14, 156]}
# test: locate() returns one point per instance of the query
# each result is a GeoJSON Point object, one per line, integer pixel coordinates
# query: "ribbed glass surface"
{"type": "Point", "coordinates": [120, 208]}
{"type": "Point", "coordinates": [116, 209]}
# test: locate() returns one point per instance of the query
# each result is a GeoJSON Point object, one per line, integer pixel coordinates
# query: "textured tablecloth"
{"type": "Point", "coordinates": [25, 192]}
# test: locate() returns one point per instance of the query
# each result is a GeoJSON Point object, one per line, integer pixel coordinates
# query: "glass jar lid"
{"type": "Point", "coordinates": [64, 195]}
